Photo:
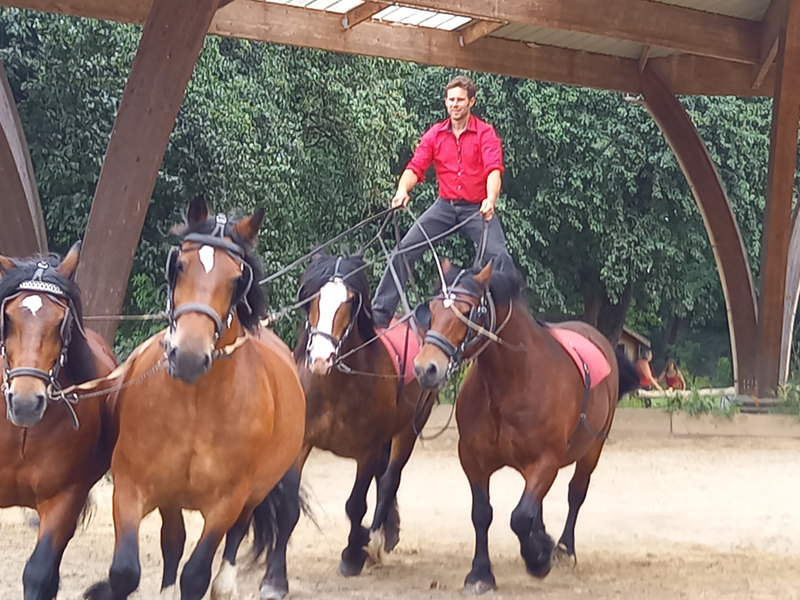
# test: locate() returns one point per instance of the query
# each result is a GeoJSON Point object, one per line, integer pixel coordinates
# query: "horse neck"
{"type": "Point", "coordinates": [520, 335]}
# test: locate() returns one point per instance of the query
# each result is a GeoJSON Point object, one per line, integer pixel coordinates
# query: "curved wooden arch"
{"type": "Point", "coordinates": [723, 230]}
{"type": "Point", "coordinates": [22, 230]}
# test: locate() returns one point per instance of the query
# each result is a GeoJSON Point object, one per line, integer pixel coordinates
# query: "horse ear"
{"type": "Point", "coordinates": [69, 265]}
{"type": "Point", "coordinates": [482, 277]}
{"type": "Point", "coordinates": [248, 227]}
{"type": "Point", "coordinates": [197, 212]}
{"type": "Point", "coordinates": [446, 265]}
{"type": "Point", "coordinates": [6, 264]}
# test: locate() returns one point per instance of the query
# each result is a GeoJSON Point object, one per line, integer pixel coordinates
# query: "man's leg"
{"type": "Point", "coordinates": [495, 238]}
{"type": "Point", "coordinates": [439, 217]}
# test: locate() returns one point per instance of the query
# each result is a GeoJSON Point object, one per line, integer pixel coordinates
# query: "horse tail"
{"type": "Point", "coordinates": [628, 377]}
{"type": "Point", "coordinates": [278, 513]}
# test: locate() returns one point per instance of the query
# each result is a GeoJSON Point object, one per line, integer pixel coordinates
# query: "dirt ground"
{"type": "Point", "coordinates": [667, 518]}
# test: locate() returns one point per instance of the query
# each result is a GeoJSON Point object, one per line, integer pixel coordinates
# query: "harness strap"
{"type": "Point", "coordinates": [29, 372]}
{"type": "Point", "coordinates": [204, 309]}
{"type": "Point", "coordinates": [583, 420]}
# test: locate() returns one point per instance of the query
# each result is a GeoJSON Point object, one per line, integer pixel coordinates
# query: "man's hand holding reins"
{"type": "Point", "coordinates": [487, 208]}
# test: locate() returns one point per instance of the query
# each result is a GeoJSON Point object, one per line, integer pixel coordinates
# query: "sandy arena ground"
{"type": "Point", "coordinates": [667, 518]}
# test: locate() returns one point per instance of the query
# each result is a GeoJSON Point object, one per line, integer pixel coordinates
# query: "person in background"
{"type": "Point", "coordinates": [646, 379]}
{"type": "Point", "coordinates": [672, 376]}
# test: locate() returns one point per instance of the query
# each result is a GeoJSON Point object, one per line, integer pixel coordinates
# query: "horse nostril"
{"type": "Point", "coordinates": [207, 363]}
{"type": "Point", "coordinates": [431, 370]}
{"type": "Point", "coordinates": [40, 401]}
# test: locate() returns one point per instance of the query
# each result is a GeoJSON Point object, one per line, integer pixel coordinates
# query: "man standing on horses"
{"type": "Point", "coordinates": [468, 158]}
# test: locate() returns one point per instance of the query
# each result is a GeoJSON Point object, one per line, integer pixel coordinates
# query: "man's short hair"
{"type": "Point", "coordinates": [464, 82]}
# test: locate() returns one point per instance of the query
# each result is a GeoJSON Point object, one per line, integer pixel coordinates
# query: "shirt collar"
{"type": "Point", "coordinates": [472, 124]}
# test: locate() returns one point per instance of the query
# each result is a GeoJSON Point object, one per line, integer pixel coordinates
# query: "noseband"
{"type": "Point", "coordinates": [215, 239]}
{"type": "Point", "coordinates": [483, 307]}
{"type": "Point", "coordinates": [50, 378]}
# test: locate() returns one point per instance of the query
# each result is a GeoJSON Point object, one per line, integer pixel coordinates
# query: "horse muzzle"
{"type": "Point", "coordinates": [320, 366]}
{"type": "Point", "coordinates": [186, 365]}
{"type": "Point", "coordinates": [25, 410]}
{"type": "Point", "coordinates": [431, 374]}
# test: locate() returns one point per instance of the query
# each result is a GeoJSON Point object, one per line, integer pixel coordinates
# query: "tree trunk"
{"type": "Point", "coordinates": [598, 310]}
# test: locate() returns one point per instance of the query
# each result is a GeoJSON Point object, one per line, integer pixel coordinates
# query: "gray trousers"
{"type": "Point", "coordinates": [441, 216]}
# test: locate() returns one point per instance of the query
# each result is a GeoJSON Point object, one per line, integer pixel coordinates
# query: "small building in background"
{"type": "Point", "coordinates": [633, 343]}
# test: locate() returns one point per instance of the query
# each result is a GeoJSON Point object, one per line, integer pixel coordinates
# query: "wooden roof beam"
{"type": "Point", "coordinates": [361, 13]}
{"type": "Point", "coordinates": [772, 24]}
{"type": "Point", "coordinates": [290, 25]}
{"type": "Point", "coordinates": [476, 31]}
{"type": "Point", "coordinates": [643, 21]}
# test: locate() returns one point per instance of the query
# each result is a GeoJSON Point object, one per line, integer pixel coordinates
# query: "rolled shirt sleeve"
{"type": "Point", "coordinates": [492, 151]}
{"type": "Point", "coordinates": [423, 155]}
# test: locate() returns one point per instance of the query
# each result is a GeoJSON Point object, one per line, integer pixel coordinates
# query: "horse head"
{"type": "Point", "coordinates": [338, 298]}
{"type": "Point", "coordinates": [452, 316]}
{"type": "Point", "coordinates": [40, 308]}
{"type": "Point", "coordinates": [213, 288]}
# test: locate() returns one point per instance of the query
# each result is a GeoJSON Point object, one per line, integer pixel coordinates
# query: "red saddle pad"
{"type": "Point", "coordinates": [581, 349]}
{"type": "Point", "coordinates": [403, 346]}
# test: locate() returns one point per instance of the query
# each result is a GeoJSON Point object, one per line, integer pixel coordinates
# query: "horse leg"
{"type": "Point", "coordinates": [354, 555]}
{"type": "Point", "coordinates": [173, 539]}
{"type": "Point", "coordinates": [126, 570]}
{"type": "Point", "coordinates": [385, 529]}
{"type": "Point", "coordinates": [578, 485]}
{"type": "Point", "coordinates": [224, 586]}
{"type": "Point", "coordinates": [480, 579]}
{"type": "Point", "coordinates": [535, 546]}
{"type": "Point", "coordinates": [283, 517]}
{"type": "Point", "coordinates": [58, 518]}
{"type": "Point", "coordinates": [196, 574]}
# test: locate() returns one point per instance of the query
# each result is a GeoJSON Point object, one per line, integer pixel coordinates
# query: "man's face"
{"type": "Point", "coordinates": [458, 104]}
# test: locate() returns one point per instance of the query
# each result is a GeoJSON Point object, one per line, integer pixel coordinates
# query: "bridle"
{"type": "Point", "coordinates": [215, 239]}
{"type": "Point", "coordinates": [55, 293]}
{"type": "Point", "coordinates": [481, 307]}
{"type": "Point", "coordinates": [335, 342]}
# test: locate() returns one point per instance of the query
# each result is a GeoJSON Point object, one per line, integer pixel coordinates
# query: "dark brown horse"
{"type": "Point", "coordinates": [51, 457]}
{"type": "Point", "coordinates": [524, 405]}
{"type": "Point", "coordinates": [218, 428]}
{"type": "Point", "coordinates": [355, 405]}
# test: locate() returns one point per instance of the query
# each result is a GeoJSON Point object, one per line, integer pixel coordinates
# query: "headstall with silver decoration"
{"type": "Point", "coordinates": [215, 239]}
{"type": "Point", "coordinates": [50, 378]}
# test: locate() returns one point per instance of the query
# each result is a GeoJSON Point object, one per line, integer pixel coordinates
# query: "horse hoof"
{"type": "Point", "coordinates": [271, 592]}
{"type": "Point", "coordinates": [375, 546]}
{"type": "Point", "coordinates": [350, 570]}
{"type": "Point", "coordinates": [479, 588]}
{"type": "Point", "coordinates": [99, 591]}
{"type": "Point", "coordinates": [562, 557]}
{"type": "Point", "coordinates": [392, 538]}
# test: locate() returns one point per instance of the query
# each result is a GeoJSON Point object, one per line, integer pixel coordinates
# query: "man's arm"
{"type": "Point", "coordinates": [494, 183]}
{"type": "Point", "coordinates": [415, 170]}
{"type": "Point", "coordinates": [407, 181]}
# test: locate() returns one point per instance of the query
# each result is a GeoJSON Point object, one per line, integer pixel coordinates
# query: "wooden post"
{"type": "Point", "coordinates": [778, 211]}
{"type": "Point", "coordinates": [171, 41]}
{"type": "Point", "coordinates": [720, 222]}
{"type": "Point", "coordinates": [22, 231]}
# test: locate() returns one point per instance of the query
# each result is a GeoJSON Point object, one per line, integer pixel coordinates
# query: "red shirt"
{"type": "Point", "coordinates": [462, 164]}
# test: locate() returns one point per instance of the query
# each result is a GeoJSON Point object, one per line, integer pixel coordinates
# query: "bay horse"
{"type": "Point", "coordinates": [356, 407]}
{"type": "Point", "coordinates": [52, 455]}
{"type": "Point", "coordinates": [213, 417]}
{"type": "Point", "coordinates": [524, 404]}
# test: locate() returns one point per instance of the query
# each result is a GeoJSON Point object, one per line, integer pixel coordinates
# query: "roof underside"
{"type": "Point", "coordinates": [714, 47]}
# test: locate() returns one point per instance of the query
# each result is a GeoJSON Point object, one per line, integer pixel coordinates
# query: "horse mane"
{"type": "Point", "coordinates": [505, 286]}
{"type": "Point", "coordinates": [255, 296]}
{"type": "Point", "coordinates": [351, 269]}
{"type": "Point", "coordinates": [80, 365]}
